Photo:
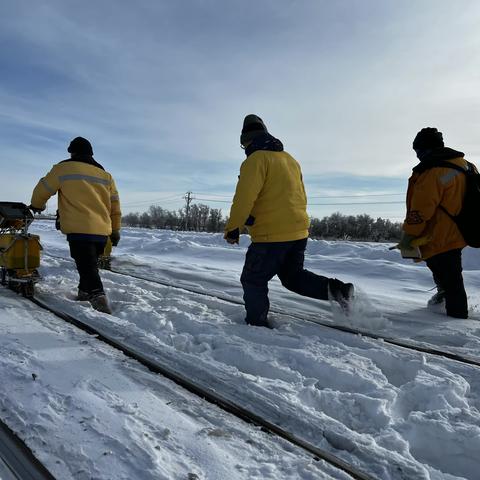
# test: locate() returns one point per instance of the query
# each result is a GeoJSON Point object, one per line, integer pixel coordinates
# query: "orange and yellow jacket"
{"type": "Point", "coordinates": [270, 198]}
{"type": "Point", "coordinates": [428, 191]}
{"type": "Point", "coordinates": [88, 200]}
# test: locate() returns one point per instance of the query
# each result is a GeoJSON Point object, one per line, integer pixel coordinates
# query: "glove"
{"type": "Point", "coordinates": [36, 209]}
{"type": "Point", "coordinates": [405, 241]}
{"type": "Point", "coordinates": [408, 247]}
{"type": "Point", "coordinates": [57, 221]}
{"type": "Point", "coordinates": [233, 236]}
{"type": "Point", "coordinates": [115, 237]}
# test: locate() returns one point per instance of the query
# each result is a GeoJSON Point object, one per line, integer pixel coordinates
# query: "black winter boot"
{"type": "Point", "coordinates": [438, 298]}
{"type": "Point", "coordinates": [100, 303]}
{"type": "Point", "coordinates": [341, 292]}
{"type": "Point", "coordinates": [82, 296]}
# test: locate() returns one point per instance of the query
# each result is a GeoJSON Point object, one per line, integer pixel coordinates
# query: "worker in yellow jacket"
{"type": "Point", "coordinates": [89, 213]}
{"type": "Point", "coordinates": [435, 193]}
{"type": "Point", "coordinates": [270, 201]}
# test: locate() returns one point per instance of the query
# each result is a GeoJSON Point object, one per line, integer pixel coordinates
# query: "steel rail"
{"type": "Point", "coordinates": [18, 460]}
{"type": "Point", "coordinates": [402, 343]}
{"type": "Point", "coordinates": [209, 394]}
{"type": "Point", "coordinates": [466, 359]}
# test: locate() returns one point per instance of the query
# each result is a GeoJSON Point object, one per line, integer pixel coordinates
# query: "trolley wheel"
{"type": "Point", "coordinates": [15, 286]}
{"type": "Point", "coordinates": [28, 289]}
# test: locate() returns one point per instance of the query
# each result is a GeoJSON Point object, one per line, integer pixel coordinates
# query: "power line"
{"type": "Point", "coordinates": [319, 204]}
{"type": "Point", "coordinates": [214, 195]}
{"type": "Point", "coordinates": [173, 198]}
{"type": "Point", "coordinates": [213, 200]}
{"type": "Point", "coordinates": [177, 195]}
{"type": "Point", "coordinates": [219, 196]}
{"type": "Point", "coordinates": [357, 203]}
{"type": "Point", "coordinates": [321, 196]}
{"type": "Point", "coordinates": [357, 195]}
{"type": "Point", "coordinates": [168, 202]}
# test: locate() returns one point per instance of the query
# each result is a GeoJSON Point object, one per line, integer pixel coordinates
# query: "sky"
{"type": "Point", "coordinates": [161, 88]}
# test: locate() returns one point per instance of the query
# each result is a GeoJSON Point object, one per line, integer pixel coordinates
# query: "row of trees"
{"type": "Point", "coordinates": [358, 227]}
{"type": "Point", "coordinates": [202, 218]}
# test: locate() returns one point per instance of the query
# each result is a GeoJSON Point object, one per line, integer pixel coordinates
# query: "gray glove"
{"type": "Point", "coordinates": [406, 241]}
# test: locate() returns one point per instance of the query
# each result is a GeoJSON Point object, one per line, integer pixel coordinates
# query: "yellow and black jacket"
{"type": "Point", "coordinates": [430, 190]}
{"type": "Point", "coordinates": [270, 196]}
{"type": "Point", "coordinates": [88, 200]}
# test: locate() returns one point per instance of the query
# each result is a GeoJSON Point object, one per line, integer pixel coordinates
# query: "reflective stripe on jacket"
{"type": "Point", "coordinates": [428, 191]}
{"type": "Point", "coordinates": [88, 200]}
{"type": "Point", "coordinates": [270, 189]}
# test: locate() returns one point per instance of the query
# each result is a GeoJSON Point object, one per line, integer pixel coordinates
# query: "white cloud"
{"type": "Point", "coordinates": [162, 87]}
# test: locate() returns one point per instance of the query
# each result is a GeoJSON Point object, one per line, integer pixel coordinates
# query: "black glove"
{"type": "Point", "coordinates": [57, 221]}
{"type": "Point", "coordinates": [36, 209]}
{"type": "Point", "coordinates": [115, 237]}
{"type": "Point", "coordinates": [233, 236]}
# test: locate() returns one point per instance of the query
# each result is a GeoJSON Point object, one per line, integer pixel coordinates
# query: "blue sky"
{"type": "Point", "coordinates": [161, 88]}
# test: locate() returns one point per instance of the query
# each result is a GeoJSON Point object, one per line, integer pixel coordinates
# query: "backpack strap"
{"type": "Point", "coordinates": [445, 164]}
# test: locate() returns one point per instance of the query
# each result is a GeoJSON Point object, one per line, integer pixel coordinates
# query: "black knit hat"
{"type": "Point", "coordinates": [81, 146]}
{"type": "Point", "coordinates": [252, 126]}
{"type": "Point", "coordinates": [428, 139]}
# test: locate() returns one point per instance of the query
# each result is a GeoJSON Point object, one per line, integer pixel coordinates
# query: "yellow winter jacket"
{"type": "Point", "coordinates": [428, 191]}
{"type": "Point", "coordinates": [88, 200]}
{"type": "Point", "coordinates": [270, 197]}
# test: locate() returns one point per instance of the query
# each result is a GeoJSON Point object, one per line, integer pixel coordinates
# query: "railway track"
{"type": "Point", "coordinates": [17, 462]}
{"type": "Point", "coordinates": [209, 394]}
{"type": "Point", "coordinates": [399, 342]}
{"type": "Point", "coordinates": [228, 402]}
{"type": "Point", "coordinates": [354, 331]}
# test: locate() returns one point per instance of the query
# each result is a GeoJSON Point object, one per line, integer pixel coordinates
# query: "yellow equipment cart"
{"type": "Point", "coordinates": [19, 250]}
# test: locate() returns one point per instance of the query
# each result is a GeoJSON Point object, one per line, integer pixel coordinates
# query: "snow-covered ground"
{"type": "Point", "coordinates": [90, 413]}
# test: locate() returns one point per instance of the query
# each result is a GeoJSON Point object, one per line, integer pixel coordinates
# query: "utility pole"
{"type": "Point", "coordinates": [188, 199]}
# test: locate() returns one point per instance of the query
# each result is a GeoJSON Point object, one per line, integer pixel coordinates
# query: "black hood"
{"type": "Point", "coordinates": [84, 159]}
{"type": "Point", "coordinates": [264, 141]}
{"type": "Point", "coordinates": [436, 156]}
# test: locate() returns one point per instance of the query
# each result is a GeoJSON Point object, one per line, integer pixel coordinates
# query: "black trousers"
{"type": "Point", "coordinates": [85, 254]}
{"type": "Point", "coordinates": [447, 273]}
{"type": "Point", "coordinates": [285, 259]}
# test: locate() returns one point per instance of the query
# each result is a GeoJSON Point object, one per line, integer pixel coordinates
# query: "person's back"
{"type": "Point", "coordinates": [87, 196]}
{"type": "Point", "coordinates": [270, 197]}
{"type": "Point", "coordinates": [280, 209]}
{"type": "Point", "coordinates": [270, 200]}
{"type": "Point", "coordinates": [89, 212]}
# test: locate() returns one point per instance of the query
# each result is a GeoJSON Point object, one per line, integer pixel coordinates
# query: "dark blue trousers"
{"type": "Point", "coordinates": [285, 259]}
{"type": "Point", "coordinates": [447, 273]}
{"type": "Point", "coordinates": [86, 255]}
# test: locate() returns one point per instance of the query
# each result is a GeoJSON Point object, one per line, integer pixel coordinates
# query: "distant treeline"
{"type": "Point", "coordinates": [355, 227]}
{"type": "Point", "coordinates": [202, 218]}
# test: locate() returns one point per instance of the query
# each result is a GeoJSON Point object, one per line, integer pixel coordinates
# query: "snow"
{"type": "Point", "coordinates": [91, 413]}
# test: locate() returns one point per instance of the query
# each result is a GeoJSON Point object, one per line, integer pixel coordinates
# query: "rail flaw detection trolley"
{"type": "Point", "coordinates": [19, 250]}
